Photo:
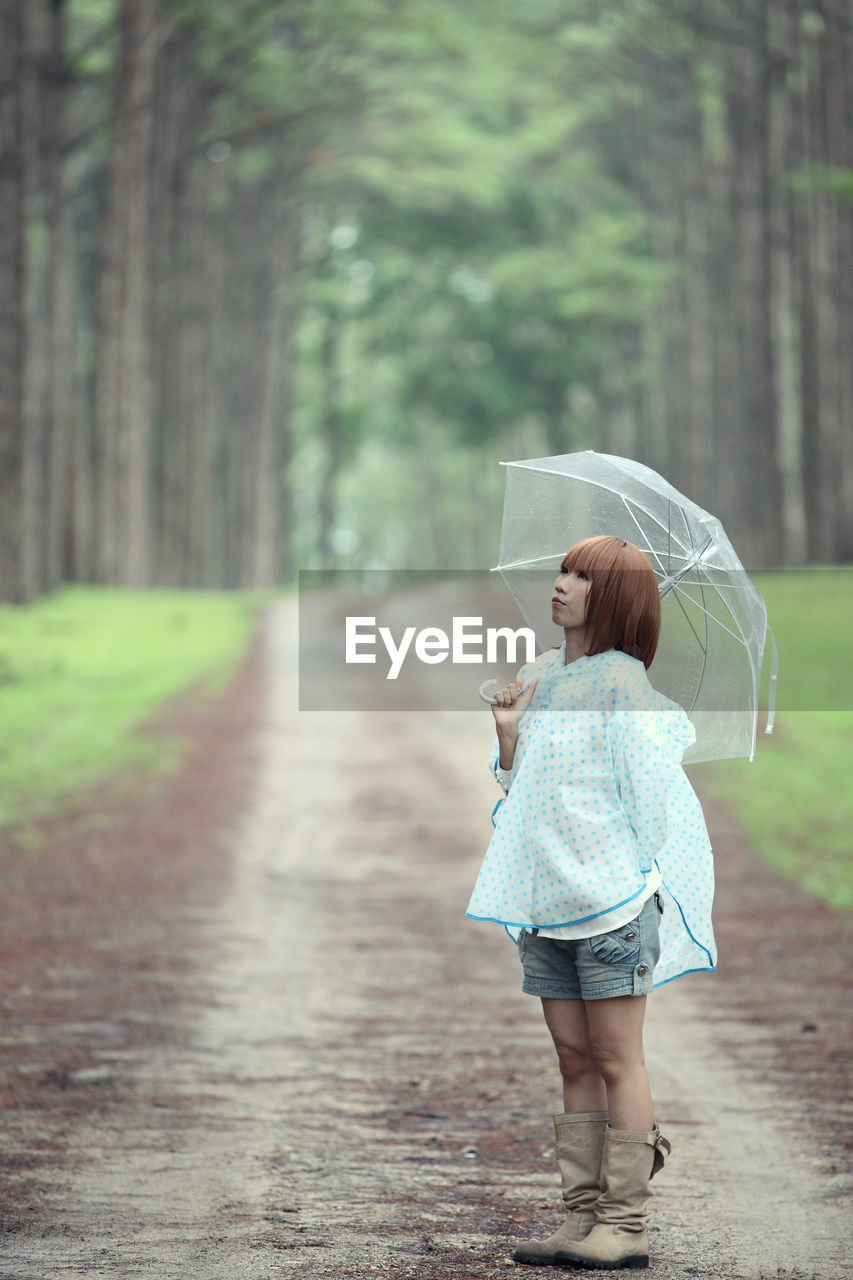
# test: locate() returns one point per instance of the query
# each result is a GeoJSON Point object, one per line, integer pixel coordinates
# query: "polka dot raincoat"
{"type": "Point", "coordinates": [597, 797]}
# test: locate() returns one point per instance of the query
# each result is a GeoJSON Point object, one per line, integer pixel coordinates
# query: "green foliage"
{"type": "Point", "coordinates": [498, 259]}
{"type": "Point", "coordinates": [93, 43]}
{"type": "Point", "coordinates": [82, 670]}
{"type": "Point", "coordinates": [796, 798]}
{"type": "Point", "coordinates": [254, 162]}
{"type": "Point", "coordinates": [823, 179]}
{"type": "Point", "coordinates": [500, 262]}
{"type": "Point", "coordinates": [796, 802]}
{"type": "Point", "coordinates": [712, 104]}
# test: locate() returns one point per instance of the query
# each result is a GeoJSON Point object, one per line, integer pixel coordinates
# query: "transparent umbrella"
{"type": "Point", "coordinates": [713, 620]}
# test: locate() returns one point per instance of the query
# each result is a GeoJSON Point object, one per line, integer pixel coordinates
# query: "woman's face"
{"type": "Point", "coordinates": [568, 603]}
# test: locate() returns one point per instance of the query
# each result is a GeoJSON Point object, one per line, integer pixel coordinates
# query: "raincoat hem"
{"type": "Point", "coordinates": [687, 928]}
{"type": "Point", "coordinates": [511, 924]}
{"type": "Point", "coordinates": [702, 968]}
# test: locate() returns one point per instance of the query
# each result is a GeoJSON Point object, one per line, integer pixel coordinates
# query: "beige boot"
{"type": "Point", "coordinates": [620, 1237]}
{"type": "Point", "coordinates": [579, 1143]}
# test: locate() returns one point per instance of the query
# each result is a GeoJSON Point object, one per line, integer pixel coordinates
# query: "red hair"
{"type": "Point", "coordinates": [623, 602]}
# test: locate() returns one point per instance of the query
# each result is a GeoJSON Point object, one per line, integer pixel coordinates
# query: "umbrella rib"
{"type": "Point", "coordinates": [582, 479]}
{"type": "Point", "coordinates": [528, 561]}
{"type": "Point", "coordinates": [703, 649]}
{"type": "Point", "coordinates": [651, 516]}
{"type": "Point", "coordinates": [733, 634]}
{"type": "Point", "coordinates": [619, 463]}
{"type": "Point", "coordinates": [648, 547]}
{"type": "Point", "coordinates": [694, 561]}
{"type": "Point", "coordinates": [695, 557]}
{"type": "Point", "coordinates": [740, 637]}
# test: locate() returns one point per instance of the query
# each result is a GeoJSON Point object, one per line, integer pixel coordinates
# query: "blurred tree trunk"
{"type": "Point", "coordinates": [197, 415]}
{"type": "Point", "coordinates": [331, 432]}
{"type": "Point", "coordinates": [185, 269]}
{"type": "Point", "coordinates": [676, 412]}
{"type": "Point", "coordinates": [824, 38]}
{"type": "Point", "coordinates": [87, 208]}
{"type": "Point", "coordinates": [12, 318]}
{"type": "Point", "coordinates": [35, 353]}
{"type": "Point", "coordinates": [123, 382]}
{"type": "Point", "coordinates": [759, 483]}
{"type": "Point", "coordinates": [702, 159]}
{"type": "Point", "coordinates": [254, 301]}
{"type": "Point", "coordinates": [174, 68]}
{"type": "Point", "coordinates": [49, 359]}
{"type": "Point", "coordinates": [817, 454]}
{"type": "Point", "coordinates": [619, 414]}
{"type": "Point", "coordinates": [236, 360]}
{"type": "Point", "coordinates": [689, 408]}
{"type": "Point", "coordinates": [784, 313]}
{"type": "Point", "coordinates": [838, 62]}
{"type": "Point", "coordinates": [269, 424]}
{"type": "Point", "coordinates": [274, 425]}
{"type": "Point", "coordinates": [61, 390]}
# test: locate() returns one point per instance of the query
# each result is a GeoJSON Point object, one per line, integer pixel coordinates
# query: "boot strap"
{"type": "Point", "coordinates": [663, 1147]}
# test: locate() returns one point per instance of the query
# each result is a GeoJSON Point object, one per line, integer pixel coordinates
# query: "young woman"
{"type": "Point", "coordinates": [601, 869]}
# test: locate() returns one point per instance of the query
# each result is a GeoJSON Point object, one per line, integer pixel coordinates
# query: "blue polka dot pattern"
{"type": "Point", "coordinates": [597, 797]}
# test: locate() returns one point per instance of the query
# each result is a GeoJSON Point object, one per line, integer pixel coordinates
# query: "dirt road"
{"type": "Point", "coordinates": [322, 1069]}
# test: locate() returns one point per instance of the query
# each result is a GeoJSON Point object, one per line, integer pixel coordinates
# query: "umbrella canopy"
{"type": "Point", "coordinates": [713, 620]}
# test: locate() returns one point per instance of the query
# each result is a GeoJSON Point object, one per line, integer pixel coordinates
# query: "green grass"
{"type": "Point", "coordinates": [795, 800]}
{"type": "Point", "coordinates": [81, 670]}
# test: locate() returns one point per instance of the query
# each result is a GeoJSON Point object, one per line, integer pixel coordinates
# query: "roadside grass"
{"type": "Point", "coordinates": [82, 670]}
{"type": "Point", "coordinates": [795, 800]}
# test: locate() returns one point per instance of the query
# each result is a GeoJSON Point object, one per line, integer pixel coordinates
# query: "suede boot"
{"type": "Point", "coordinates": [579, 1143]}
{"type": "Point", "coordinates": [620, 1236]}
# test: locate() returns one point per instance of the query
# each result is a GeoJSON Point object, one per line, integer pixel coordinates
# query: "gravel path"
{"type": "Point", "coordinates": [356, 1086]}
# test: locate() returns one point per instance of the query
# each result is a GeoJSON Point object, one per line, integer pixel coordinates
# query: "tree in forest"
{"type": "Point", "coordinates": [12, 316]}
{"type": "Point", "coordinates": [122, 401]}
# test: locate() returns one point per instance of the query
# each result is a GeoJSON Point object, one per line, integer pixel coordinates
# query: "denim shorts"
{"type": "Point", "coordinates": [620, 963]}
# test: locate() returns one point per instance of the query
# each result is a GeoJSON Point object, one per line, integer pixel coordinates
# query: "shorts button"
{"type": "Point", "coordinates": [629, 937]}
{"type": "Point", "coordinates": [642, 970]}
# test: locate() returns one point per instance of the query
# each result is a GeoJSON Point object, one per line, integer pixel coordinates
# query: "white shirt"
{"type": "Point", "coordinates": [611, 919]}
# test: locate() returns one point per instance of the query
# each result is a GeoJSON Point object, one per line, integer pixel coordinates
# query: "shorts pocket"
{"type": "Point", "coordinates": [619, 947]}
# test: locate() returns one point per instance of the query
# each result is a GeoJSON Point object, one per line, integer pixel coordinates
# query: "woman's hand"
{"type": "Point", "coordinates": [511, 703]}
{"type": "Point", "coordinates": [510, 706]}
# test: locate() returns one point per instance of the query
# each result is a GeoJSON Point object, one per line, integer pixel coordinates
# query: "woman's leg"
{"type": "Point", "coordinates": [583, 1085]}
{"type": "Point", "coordinates": [633, 1144]}
{"type": "Point", "coordinates": [615, 1038]}
{"type": "Point", "coordinates": [579, 1134]}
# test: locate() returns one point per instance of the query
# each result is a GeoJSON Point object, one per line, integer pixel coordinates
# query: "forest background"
{"type": "Point", "coordinates": [283, 279]}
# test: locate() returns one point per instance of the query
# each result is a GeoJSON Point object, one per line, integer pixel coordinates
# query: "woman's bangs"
{"type": "Point", "coordinates": [585, 556]}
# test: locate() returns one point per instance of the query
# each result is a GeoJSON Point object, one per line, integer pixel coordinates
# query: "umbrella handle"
{"type": "Point", "coordinates": [771, 689]}
{"type": "Point", "coordinates": [493, 702]}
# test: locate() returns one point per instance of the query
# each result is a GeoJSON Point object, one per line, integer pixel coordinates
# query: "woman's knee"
{"type": "Point", "coordinates": [616, 1061]}
{"type": "Point", "coordinates": [575, 1060]}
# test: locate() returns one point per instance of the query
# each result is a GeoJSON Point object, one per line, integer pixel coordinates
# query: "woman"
{"type": "Point", "coordinates": [600, 867]}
